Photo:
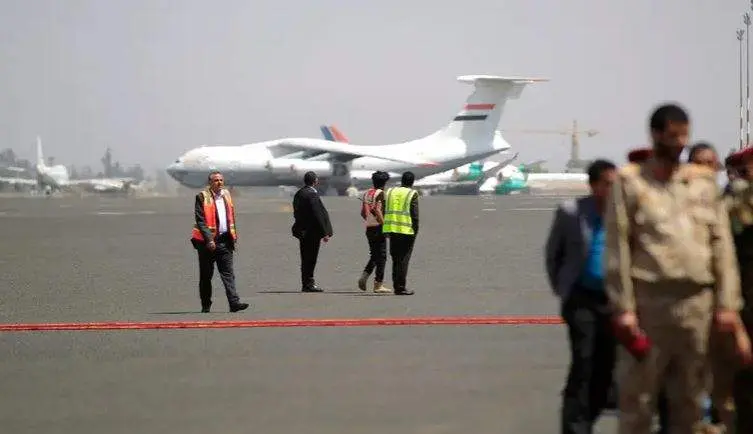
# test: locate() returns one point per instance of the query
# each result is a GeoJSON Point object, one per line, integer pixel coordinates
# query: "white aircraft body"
{"type": "Point", "coordinates": [466, 178]}
{"type": "Point", "coordinates": [52, 178]}
{"type": "Point", "coordinates": [469, 137]}
{"type": "Point", "coordinates": [512, 179]}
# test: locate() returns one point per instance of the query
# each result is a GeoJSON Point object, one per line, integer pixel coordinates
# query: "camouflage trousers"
{"type": "Point", "coordinates": [677, 318]}
{"type": "Point", "coordinates": [723, 368]}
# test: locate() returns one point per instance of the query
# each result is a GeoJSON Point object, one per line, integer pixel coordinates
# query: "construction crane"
{"type": "Point", "coordinates": [575, 162]}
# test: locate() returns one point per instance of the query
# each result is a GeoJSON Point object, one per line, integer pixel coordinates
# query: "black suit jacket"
{"type": "Point", "coordinates": [310, 215]}
{"type": "Point", "coordinates": [201, 222]}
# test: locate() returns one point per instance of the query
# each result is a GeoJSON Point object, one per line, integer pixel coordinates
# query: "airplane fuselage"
{"type": "Point", "coordinates": [257, 164]}
{"type": "Point", "coordinates": [470, 136]}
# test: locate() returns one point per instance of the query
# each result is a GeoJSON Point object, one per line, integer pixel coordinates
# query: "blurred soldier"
{"type": "Point", "coordinates": [721, 345]}
{"type": "Point", "coordinates": [372, 211]}
{"type": "Point", "coordinates": [214, 237]}
{"type": "Point", "coordinates": [731, 169]}
{"type": "Point", "coordinates": [311, 227]}
{"type": "Point", "coordinates": [401, 226]}
{"type": "Point", "coordinates": [669, 258]}
{"type": "Point", "coordinates": [574, 265]}
{"type": "Point", "coordinates": [704, 154]}
{"type": "Point", "coordinates": [740, 203]}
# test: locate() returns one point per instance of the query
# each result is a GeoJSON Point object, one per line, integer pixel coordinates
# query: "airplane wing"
{"type": "Point", "coordinates": [102, 184]}
{"type": "Point", "coordinates": [345, 152]}
{"type": "Point", "coordinates": [18, 181]}
{"type": "Point", "coordinates": [509, 160]}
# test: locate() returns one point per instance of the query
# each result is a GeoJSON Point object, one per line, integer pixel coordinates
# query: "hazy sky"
{"type": "Point", "coordinates": [154, 78]}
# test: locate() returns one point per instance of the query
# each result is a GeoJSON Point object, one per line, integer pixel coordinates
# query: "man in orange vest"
{"type": "Point", "coordinates": [214, 237]}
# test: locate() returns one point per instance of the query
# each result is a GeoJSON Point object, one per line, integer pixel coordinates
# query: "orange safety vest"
{"type": "Point", "coordinates": [368, 206]}
{"type": "Point", "coordinates": [210, 215]}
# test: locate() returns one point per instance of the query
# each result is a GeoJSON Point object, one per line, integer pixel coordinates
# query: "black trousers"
{"type": "Point", "coordinates": [309, 245]}
{"type": "Point", "coordinates": [662, 407]}
{"type": "Point", "coordinates": [377, 252]}
{"type": "Point", "coordinates": [223, 257]}
{"type": "Point", "coordinates": [743, 386]}
{"type": "Point", "coordinates": [592, 349]}
{"type": "Point", "coordinates": [401, 248]}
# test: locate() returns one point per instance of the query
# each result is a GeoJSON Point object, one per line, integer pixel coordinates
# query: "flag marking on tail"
{"type": "Point", "coordinates": [479, 106]}
{"type": "Point", "coordinates": [474, 117]}
{"type": "Point", "coordinates": [470, 118]}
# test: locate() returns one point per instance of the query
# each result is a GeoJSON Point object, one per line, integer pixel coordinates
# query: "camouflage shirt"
{"type": "Point", "coordinates": [739, 199]}
{"type": "Point", "coordinates": [676, 230]}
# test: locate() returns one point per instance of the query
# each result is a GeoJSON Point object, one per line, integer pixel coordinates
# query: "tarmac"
{"type": "Point", "coordinates": [92, 260]}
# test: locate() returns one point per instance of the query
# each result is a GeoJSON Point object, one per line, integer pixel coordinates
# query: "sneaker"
{"type": "Point", "coordinates": [379, 288]}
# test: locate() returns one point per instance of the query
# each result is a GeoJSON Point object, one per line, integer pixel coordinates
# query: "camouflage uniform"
{"type": "Point", "coordinates": [739, 199]}
{"type": "Point", "coordinates": [670, 259]}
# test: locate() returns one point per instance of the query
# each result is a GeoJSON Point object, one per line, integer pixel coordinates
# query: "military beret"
{"type": "Point", "coordinates": [640, 155]}
{"type": "Point", "coordinates": [744, 155]}
{"type": "Point", "coordinates": [739, 157]}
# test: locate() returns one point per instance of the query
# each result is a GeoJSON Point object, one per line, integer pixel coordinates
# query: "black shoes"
{"type": "Point", "coordinates": [403, 292]}
{"type": "Point", "coordinates": [238, 307]}
{"type": "Point", "coordinates": [312, 288]}
{"type": "Point", "coordinates": [233, 308]}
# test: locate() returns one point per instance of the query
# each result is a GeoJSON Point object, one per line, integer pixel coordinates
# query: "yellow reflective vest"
{"type": "Point", "coordinates": [397, 219]}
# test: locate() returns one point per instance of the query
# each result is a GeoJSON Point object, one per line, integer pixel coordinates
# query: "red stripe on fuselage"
{"type": "Point", "coordinates": [478, 106]}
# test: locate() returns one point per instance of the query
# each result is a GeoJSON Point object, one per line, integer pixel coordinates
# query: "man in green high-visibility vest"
{"type": "Point", "coordinates": [401, 226]}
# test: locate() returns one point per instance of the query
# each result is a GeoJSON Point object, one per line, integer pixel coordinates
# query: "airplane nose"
{"type": "Point", "coordinates": [174, 170]}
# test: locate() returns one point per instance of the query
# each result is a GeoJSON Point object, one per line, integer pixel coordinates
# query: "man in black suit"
{"type": "Point", "coordinates": [311, 227]}
{"type": "Point", "coordinates": [214, 237]}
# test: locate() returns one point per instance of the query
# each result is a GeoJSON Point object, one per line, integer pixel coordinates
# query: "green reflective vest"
{"type": "Point", "coordinates": [397, 211]}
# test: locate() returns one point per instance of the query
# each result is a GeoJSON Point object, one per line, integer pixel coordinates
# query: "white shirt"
{"type": "Point", "coordinates": [219, 203]}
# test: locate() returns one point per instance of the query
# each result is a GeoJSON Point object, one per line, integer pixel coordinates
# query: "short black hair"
{"type": "Point", "coordinates": [309, 178]}
{"type": "Point", "coordinates": [214, 172]}
{"type": "Point", "coordinates": [698, 147]}
{"type": "Point", "coordinates": [379, 178]}
{"type": "Point", "coordinates": [666, 114]}
{"type": "Point", "coordinates": [407, 179]}
{"type": "Point", "coordinates": [597, 168]}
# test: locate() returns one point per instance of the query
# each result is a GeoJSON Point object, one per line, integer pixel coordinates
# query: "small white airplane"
{"type": "Point", "coordinates": [517, 179]}
{"type": "Point", "coordinates": [56, 178]}
{"type": "Point", "coordinates": [465, 179]}
{"type": "Point", "coordinates": [469, 137]}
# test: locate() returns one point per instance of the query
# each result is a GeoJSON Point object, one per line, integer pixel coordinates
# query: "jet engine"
{"type": "Point", "coordinates": [297, 167]}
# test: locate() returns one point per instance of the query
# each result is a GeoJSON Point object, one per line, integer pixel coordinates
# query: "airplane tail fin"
{"type": "Point", "coordinates": [339, 136]}
{"type": "Point", "coordinates": [326, 133]}
{"type": "Point", "coordinates": [333, 134]}
{"type": "Point", "coordinates": [40, 155]}
{"type": "Point", "coordinates": [477, 121]}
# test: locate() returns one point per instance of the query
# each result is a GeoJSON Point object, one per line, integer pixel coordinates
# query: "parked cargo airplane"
{"type": "Point", "coordinates": [469, 137]}
{"type": "Point", "coordinates": [465, 179]}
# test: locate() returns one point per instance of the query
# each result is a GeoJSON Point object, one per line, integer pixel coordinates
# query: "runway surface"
{"type": "Point", "coordinates": [284, 366]}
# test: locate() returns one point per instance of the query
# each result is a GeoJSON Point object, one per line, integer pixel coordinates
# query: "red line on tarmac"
{"type": "Point", "coordinates": [353, 322]}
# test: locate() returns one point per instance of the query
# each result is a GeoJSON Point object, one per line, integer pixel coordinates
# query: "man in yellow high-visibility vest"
{"type": "Point", "coordinates": [401, 226]}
